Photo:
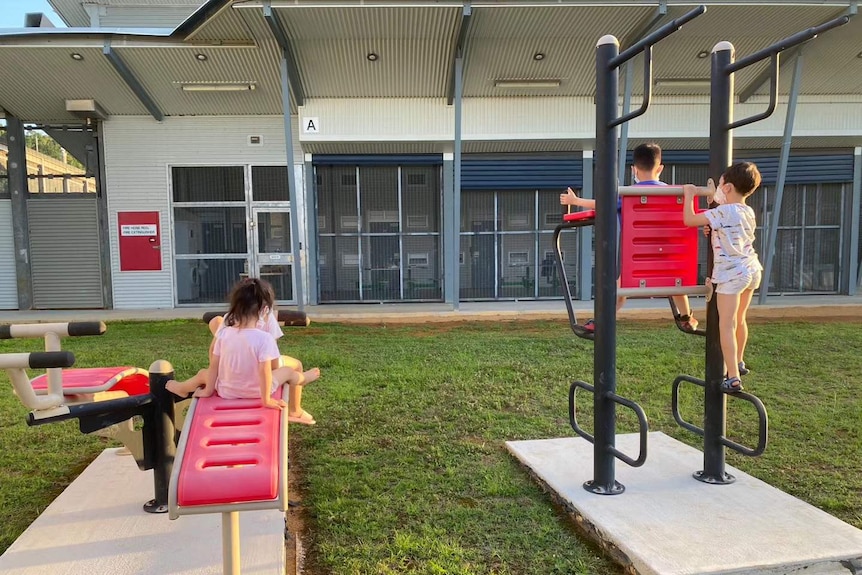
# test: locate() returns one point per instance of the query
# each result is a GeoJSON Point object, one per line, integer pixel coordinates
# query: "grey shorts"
{"type": "Point", "coordinates": [749, 280]}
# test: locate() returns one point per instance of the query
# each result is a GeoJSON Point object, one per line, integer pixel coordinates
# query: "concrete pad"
{"type": "Point", "coordinates": [97, 525]}
{"type": "Point", "coordinates": [668, 523]}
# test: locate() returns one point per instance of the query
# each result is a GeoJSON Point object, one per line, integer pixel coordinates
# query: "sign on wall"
{"type": "Point", "coordinates": [140, 241]}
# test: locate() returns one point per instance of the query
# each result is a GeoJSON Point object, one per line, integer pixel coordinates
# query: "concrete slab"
{"type": "Point", "coordinates": [667, 523]}
{"type": "Point", "coordinates": [97, 526]}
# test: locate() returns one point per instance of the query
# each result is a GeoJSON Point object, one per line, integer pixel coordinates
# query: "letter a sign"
{"type": "Point", "coordinates": [310, 125]}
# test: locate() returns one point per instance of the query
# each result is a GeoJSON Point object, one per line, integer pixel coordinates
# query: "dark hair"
{"type": "Point", "coordinates": [744, 176]}
{"type": "Point", "coordinates": [248, 298]}
{"type": "Point", "coordinates": [647, 156]}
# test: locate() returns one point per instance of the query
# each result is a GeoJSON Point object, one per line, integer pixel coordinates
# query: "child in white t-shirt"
{"type": "Point", "coordinates": [243, 341]}
{"type": "Point", "coordinates": [736, 270]}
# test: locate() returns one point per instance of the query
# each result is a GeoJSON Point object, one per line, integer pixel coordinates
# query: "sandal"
{"type": "Point", "coordinates": [731, 385]}
{"type": "Point", "coordinates": [688, 323]}
{"type": "Point", "coordinates": [742, 369]}
{"type": "Point", "coordinates": [304, 418]}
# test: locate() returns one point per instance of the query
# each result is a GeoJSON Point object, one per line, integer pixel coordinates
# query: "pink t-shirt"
{"type": "Point", "coordinates": [267, 323]}
{"type": "Point", "coordinates": [240, 353]}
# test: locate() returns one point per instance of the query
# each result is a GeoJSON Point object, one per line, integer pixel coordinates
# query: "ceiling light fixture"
{"type": "Point", "coordinates": [703, 54]}
{"type": "Point", "coordinates": [538, 56]}
{"type": "Point", "coordinates": [859, 55]}
{"type": "Point", "coordinates": [372, 57]}
{"type": "Point", "coordinates": [76, 56]}
{"type": "Point", "coordinates": [682, 83]}
{"type": "Point", "coordinates": [552, 83]}
{"type": "Point", "coordinates": [201, 57]}
{"type": "Point", "coordinates": [220, 87]}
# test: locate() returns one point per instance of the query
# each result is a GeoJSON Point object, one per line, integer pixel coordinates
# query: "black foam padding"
{"type": "Point", "coordinates": [208, 316]}
{"type": "Point", "coordinates": [46, 359]}
{"type": "Point", "coordinates": [291, 318]}
{"type": "Point", "coordinates": [5, 332]}
{"type": "Point", "coordinates": [86, 328]}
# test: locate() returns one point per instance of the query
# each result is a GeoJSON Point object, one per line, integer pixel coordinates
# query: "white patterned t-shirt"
{"type": "Point", "coordinates": [732, 241]}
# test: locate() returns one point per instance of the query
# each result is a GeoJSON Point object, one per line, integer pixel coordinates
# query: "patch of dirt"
{"type": "Point", "coordinates": [295, 520]}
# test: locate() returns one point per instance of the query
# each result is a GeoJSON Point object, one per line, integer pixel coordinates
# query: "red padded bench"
{"type": "Point", "coordinates": [232, 457]}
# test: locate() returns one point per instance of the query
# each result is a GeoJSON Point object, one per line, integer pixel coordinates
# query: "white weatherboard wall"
{"type": "Point", "coordinates": [8, 275]}
{"type": "Point", "coordinates": [545, 118]}
{"type": "Point", "coordinates": [138, 154]}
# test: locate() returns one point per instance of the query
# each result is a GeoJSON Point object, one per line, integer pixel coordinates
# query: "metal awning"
{"type": "Point", "coordinates": [389, 49]}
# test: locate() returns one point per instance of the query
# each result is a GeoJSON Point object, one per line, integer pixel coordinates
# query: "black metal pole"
{"type": "Point", "coordinates": [163, 435]}
{"type": "Point", "coordinates": [720, 156]}
{"type": "Point", "coordinates": [605, 349]}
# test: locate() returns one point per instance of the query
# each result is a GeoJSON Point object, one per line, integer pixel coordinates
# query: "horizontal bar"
{"type": "Point", "coordinates": [661, 291]}
{"type": "Point", "coordinates": [656, 36]}
{"type": "Point", "coordinates": [74, 328]}
{"type": "Point", "coordinates": [660, 191]}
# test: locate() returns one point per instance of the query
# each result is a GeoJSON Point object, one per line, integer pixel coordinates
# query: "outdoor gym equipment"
{"type": "Point", "coordinates": [232, 457]}
{"type": "Point", "coordinates": [98, 398]}
{"type": "Point", "coordinates": [608, 60]}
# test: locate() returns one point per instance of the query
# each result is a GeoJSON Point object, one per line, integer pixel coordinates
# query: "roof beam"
{"type": "Point", "coordinates": [281, 37]}
{"type": "Point", "coordinates": [646, 26]}
{"type": "Point", "coordinates": [458, 52]}
{"type": "Point", "coordinates": [132, 82]}
{"type": "Point", "coordinates": [790, 55]}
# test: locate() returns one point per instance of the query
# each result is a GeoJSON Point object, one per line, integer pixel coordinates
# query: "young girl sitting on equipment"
{"type": "Point", "coordinates": [244, 357]}
{"type": "Point", "coordinates": [736, 270]}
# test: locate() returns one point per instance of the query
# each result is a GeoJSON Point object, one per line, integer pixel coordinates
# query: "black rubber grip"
{"type": "Point", "coordinates": [46, 359]}
{"type": "Point", "coordinates": [86, 328]}
{"type": "Point", "coordinates": [208, 316]}
{"type": "Point", "coordinates": [288, 317]}
{"type": "Point", "coordinates": [291, 318]}
{"type": "Point", "coordinates": [5, 332]}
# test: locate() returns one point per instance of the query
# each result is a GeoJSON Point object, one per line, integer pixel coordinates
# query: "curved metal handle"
{"type": "Point", "coordinates": [763, 418]}
{"type": "Point", "coordinates": [573, 418]}
{"type": "Point", "coordinates": [577, 329]}
{"type": "Point", "coordinates": [674, 403]}
{"type": "Point", "coordinates": [763, 427]}
{"type": "Point", "coordinates": [643, 426]}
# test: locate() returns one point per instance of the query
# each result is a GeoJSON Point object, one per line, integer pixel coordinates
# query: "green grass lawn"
{"type": "Point", "coordinates": [406, 470]}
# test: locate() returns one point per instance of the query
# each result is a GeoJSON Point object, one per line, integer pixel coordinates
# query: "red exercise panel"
{"type": "Point", "coordinates": [132, 380]}
{"type": "Point", "coordinates": [579, 216]}
{"type": "Point", "coordinates": [231, 454]}
{"type": "Point", "coordinates": [656, 248]}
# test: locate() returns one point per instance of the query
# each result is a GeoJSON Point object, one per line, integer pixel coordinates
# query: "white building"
{"type": "Point", "coordinates": [177, 110]}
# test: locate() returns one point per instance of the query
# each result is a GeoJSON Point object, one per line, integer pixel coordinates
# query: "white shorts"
{"type": "Point", "coordinates": [742, 282]}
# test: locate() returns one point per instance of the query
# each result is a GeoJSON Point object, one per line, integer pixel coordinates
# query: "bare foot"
{"type": "Point", "coordinates": [309, 376]}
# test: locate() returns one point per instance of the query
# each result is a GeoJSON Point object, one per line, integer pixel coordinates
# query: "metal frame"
{"type": "Point", "coordinates": [721, 125]}
{"type": "Point", "coordinates": [608, 61]}
{"type": "Point", "coordinates": [287, 52]}
{"type": "Point", "coordinates": [17, 180]}
{"type": "Point", "coordinates": [132, 81]}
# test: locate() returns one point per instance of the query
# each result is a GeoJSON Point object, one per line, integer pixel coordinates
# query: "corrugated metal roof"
{"type": "Point", "coordinates": [413, 46]}
{"type": "Point", "coordinates": [163, 71]}
{"type": "Point", "coordinates": [501, 44]}
{"type": "Point", "coordinates": [71, 11]}
{"type": "Point", "coordinates": [37, 81]}
{"type": "Point", "coordinates": [229, 24]}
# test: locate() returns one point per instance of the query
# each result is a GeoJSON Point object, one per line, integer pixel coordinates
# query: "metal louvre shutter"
{"type": "Point", "coordinates": [515, 172]}
{"type": "Point", "coordinates": [8, 283]}
{"type": "Point", "coordinates": [64, 252]}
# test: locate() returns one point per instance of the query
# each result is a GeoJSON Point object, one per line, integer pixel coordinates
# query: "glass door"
{"type": "Point", "coordinates": [272, 256]}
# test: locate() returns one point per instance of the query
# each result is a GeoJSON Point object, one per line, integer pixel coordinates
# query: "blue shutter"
{"type": "Point", "coordinates": [518, 172]}
{"type": "Point", "coordinates": [801, 168]}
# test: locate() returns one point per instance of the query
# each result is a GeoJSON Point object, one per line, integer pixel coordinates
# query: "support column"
{"type": "Point", "coordinates": [585, 239]}
{"type": "Point", "coordinates": [624, 128]}
{"type": "Point", "coordinates": [291, 185]}
{"type": "Point", "coordinates": [720, 156]}
{"type": "Point", "coordinates": [455, 268]}
{"type": "Point", "coordinates": [18, 192]}
{"type": "Point", "coordinates": [95, 151]}
{"type": "Point", "coordinates": [775, 218]}
{"type": "Point", "coordinates": [854, 274]}
{"type": "Point", "coordinates": [451, 248]}
{"type": "Point", "coordinates": [311, 230]}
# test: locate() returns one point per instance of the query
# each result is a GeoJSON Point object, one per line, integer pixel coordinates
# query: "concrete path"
{"type": "Point", "coordinates": [97, 527]}
{"type": "Point", "coordinates": [667, 523]}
